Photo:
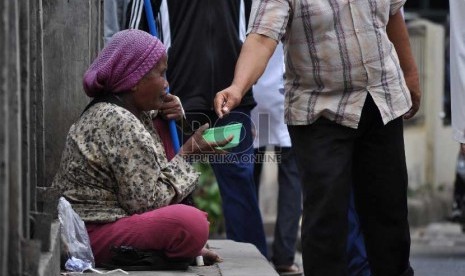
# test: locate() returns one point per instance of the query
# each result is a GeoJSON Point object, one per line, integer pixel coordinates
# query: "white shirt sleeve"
{"type": "Point", "coordinates": [457, 68]}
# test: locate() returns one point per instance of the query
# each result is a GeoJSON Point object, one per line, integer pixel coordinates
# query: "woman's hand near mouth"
{"type": "Point", "coordinates": [171, 108]}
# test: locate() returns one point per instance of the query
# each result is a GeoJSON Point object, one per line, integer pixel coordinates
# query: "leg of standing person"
{"type": "Point", "coordinates": [235, 177]}
{"type": "Point", "coordinates": [238, 192]}
{"type": "Point", "coordinates": [289, 213]}
{"type": "Point", "coordinates": [380, 190]}
{"type": "Point", "coordinates": [458, 205]}
{"type": "Point", "coordinates": [358, 260]}
{"type": "Point", "coordinates": [289, 209]}
{"type": "Point", "coordinates": [289, 206]}
{"type": "Point", "coordinates": [288, 222]}
{"type": "Point", "coordinates": [259, 154]}
{"type": "Point", "coordinates": [324, 157]}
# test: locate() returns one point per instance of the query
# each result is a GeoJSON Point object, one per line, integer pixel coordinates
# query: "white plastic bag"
{"type": "Point", "coordinates": [74, 236]}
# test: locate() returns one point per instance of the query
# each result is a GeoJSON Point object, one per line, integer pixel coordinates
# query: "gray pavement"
{"type": "Point", "coordinates": [239, 259]}
{"type": "Point", "coordinates": [438, 250]}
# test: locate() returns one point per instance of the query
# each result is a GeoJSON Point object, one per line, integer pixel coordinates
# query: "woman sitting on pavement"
{"type": "Point", "coordinates": [114, 170]}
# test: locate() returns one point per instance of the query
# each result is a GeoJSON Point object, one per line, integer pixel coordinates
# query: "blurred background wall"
{"type": "Point", "coordinates": [46, 45]}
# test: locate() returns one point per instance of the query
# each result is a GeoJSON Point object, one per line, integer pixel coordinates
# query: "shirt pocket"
{"type": "Point", "coordinates": [380, 10]}
{"type": "Point", "coordinates": [313, 16]}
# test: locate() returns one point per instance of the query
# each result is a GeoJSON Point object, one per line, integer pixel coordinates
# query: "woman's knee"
{"type": "Point", "coordinates": [193, 219]}
{"type": "Point", "coordinates": [179, 230]}
{"type": "Point", "coordinates": [191, 231]}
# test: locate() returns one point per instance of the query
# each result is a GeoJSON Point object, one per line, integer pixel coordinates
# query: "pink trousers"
{"type": "Point", "coordinates": [179, 230]}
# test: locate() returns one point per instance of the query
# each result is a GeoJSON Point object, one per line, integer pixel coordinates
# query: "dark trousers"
{"type": "Point", "coordinates": [289, 204]}
{"type": "Point", "coordinates": [371, 159]}
{"type": "Point", "coordinates": [459, 186]}
{"type": "Point", "coordinates": [234, 174]}
{"type": "Point", "coordinates": [290, 210]}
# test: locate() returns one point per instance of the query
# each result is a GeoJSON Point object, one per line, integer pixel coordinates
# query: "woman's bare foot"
{"type": "Point", "coordinates": [288, 270]}
{"type": "Point", "coordinates": [210, 257]}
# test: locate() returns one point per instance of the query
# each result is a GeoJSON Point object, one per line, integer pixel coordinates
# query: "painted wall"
{"type": "Point", "coordinates": [45, 46]}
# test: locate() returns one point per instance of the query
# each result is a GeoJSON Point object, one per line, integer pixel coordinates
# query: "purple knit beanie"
{"type": "Point", "coordinates": [129, 55]}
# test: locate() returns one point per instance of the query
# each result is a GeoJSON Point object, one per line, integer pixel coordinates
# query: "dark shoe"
{"type": "Point", "coordinates": [408, 272]}
{"type": "Point", "coordinates": [132, 259]}
{"type": "Point", "coordinates": [288, 270]}
{"type": "Point", "coordinates": [456, 214]}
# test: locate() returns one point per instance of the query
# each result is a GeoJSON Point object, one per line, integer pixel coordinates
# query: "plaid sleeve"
{"type": "Point", "coordinates": [269, 18]}
{"type": "Point", "coordinates": [396, 5]}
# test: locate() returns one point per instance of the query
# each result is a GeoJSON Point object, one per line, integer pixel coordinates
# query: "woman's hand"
{"type": "Point", "coordinates": [196, 144]}
{"type": "Point", "coordinates": [171, 108]}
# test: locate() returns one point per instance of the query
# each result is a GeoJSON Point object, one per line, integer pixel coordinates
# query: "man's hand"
{"type": "Point", "coordinates": [413, 85]}
{"type": "Point", "coordinates": [226, 100]}
{"type": "Point", "coordinates": [171, 108]}
{"type": "Point", "coordinates": [398, 34]}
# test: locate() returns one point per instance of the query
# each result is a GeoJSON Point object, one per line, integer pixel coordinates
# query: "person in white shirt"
{"type": "Point", "coordinates": [457, 91]}
{"type": "Point", "coordinates": [114, 18]}
{"type": "Point", "coordinates": [270, 130]}
{"type": "Point", "coordinates": [457, 70]}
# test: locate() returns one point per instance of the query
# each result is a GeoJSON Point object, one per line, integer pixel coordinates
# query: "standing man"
{"type": "Point", "coordinates": [350, 81]}
{"type": "Point", "coordinates": [457, 70]}
{"type": "Point", "coordinates": [204, 41]}
{"type": "Point", "coordinates": [270, 129]}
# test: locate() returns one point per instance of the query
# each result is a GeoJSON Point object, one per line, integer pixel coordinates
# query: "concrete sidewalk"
{"type": "Point", "coordinates": [239, 259]}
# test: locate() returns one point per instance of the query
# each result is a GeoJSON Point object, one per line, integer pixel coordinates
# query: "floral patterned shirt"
{"type": "Point", "coordinates": [114, 165]}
